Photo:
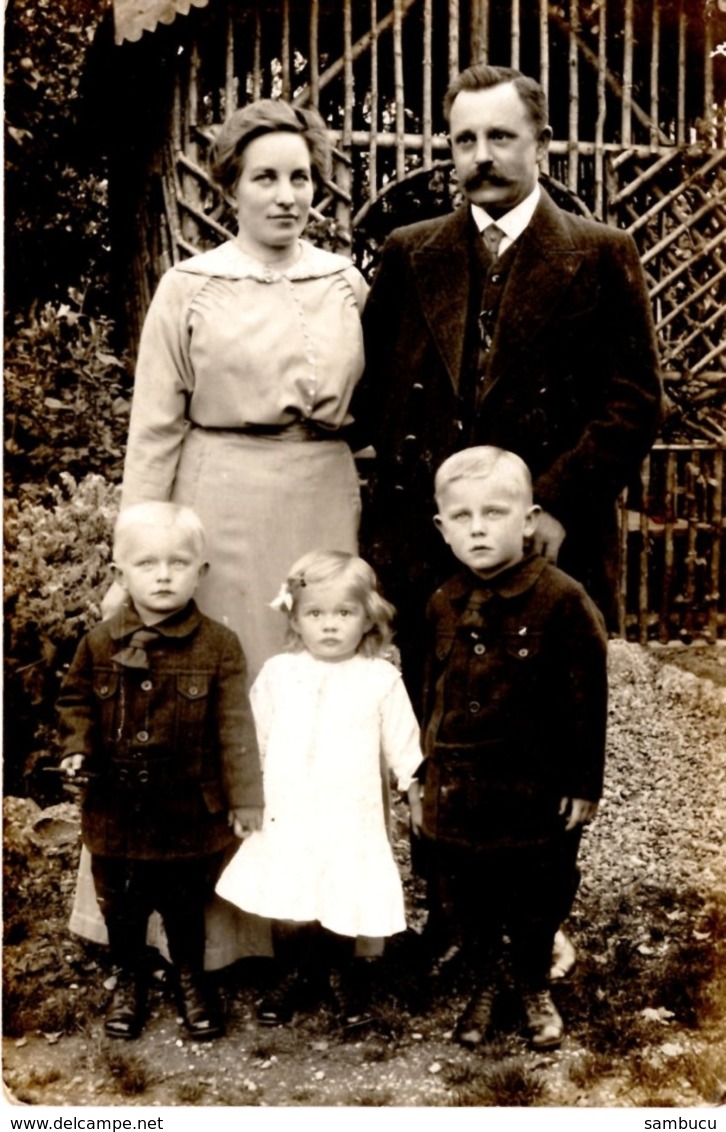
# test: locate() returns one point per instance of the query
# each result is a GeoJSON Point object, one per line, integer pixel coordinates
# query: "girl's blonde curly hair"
{"type": "Point", "coordinates": [320, 566]}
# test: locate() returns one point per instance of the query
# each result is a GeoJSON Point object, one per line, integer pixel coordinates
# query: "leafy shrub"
{"type": "Point", "coordinates": [57, 556]}
{"type": "Point", "coordinates": [56, 189]}
{"type": "Point", "coordinates": [67, 396]}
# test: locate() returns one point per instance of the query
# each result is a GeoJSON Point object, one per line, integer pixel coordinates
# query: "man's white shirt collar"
{"type": "Point", "coordinates": [512, 223]}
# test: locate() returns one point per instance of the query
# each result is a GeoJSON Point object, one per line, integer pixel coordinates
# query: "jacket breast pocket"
{"type": "Point", "coordinates": [192, 700]}
{"type": "Point", "coordinates": [106, 683]}
{"type": "Point", "coordinates": [523, 646]}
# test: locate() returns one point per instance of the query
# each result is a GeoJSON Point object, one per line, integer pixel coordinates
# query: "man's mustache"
{"type": "Point", "coordinates": [483, 175]}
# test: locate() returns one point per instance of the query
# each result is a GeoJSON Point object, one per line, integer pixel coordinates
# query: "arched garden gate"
{"type": "Point", "coordinates": [637, 92]}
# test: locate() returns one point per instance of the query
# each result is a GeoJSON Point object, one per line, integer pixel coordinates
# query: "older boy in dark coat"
{"type": "Point", "coordinates": [155, 715]}
{"type": "Point", "coordinates": [514, 733]}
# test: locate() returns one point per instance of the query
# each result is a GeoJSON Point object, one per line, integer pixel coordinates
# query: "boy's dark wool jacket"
{"type": "Point", "coordinates": [172, 748]}
{"type": "Point", "coordinates": [515, 705]}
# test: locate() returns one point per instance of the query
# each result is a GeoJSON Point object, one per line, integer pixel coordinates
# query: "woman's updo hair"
{"type": "Point", "coordinates": [268, 116]}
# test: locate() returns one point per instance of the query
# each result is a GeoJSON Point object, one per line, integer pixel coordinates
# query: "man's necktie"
{"type": "Point", "coordinates": [134, 654]}
{"type": "Point", "coordinates": [493, 237]}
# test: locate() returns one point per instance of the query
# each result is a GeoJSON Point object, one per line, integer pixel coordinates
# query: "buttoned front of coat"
{"type": "Point", "coordinates": [515, 705]}
{"type": "Point", "coordinates": [171, 748]}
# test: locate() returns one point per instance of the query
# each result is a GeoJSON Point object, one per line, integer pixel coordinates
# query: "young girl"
{"type": "Point", "coordinates": [328, 713]}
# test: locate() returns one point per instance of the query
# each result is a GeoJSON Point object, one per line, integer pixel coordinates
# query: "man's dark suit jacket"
{"type": "Point", "coordinates": [573, 387]}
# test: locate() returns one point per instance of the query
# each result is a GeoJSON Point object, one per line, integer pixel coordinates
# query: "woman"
{"type": "Point", "coordinates": [248, 359]}
{"type": "Point", "coordinates": [247, 363]}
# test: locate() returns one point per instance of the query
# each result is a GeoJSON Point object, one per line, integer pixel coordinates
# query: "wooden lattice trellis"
{"type": "Point", "coordinates": [673, 548]}
{"type": "Point", "coordinates": [674, 204]}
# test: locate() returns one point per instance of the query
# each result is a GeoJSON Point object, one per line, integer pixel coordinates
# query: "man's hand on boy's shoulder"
{"type": "Point", "coordinates": [579, 811]}
{"type": "Point", "coordinates": [245, 820]}
{"type": "Point", "coordinates": [549, 536]}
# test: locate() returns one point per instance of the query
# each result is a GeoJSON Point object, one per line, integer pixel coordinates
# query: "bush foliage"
{"type": "Point", "coordinates": [67, 396]}
{"type": "Point", "coordinates": [57, 556]}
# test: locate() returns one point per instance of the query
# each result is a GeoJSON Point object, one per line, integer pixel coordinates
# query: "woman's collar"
{"type": "Point", "coordinates": [228, 261]}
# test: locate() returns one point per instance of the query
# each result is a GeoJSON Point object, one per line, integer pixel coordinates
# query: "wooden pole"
{"type": "Point", "coordinates": [399, 92]}
{"type": "Point", "coordinates": [480, 18]}
{"type": "Point", "coordinates": [708, 96]}
{"type": "Point", "coordinates": [669, 514]}
{"type": "Point", "coordinates": [515, 34]}
{"type": "Point", "coordinates": [453, 39]}
{"type": "Point", "coordinates": [285, 51]}
{"type": "Point", "coordinates": [644, 557]}
{"type": "Point", "coordinates": [230, 81]}
{"type": "Point", "coordinates": [314, 52]}
{"type": "Point", "coordinates": [373, 144]}
{"type": "Point", "coordinates": [681, 95]}
{"type": "Point", "coordinates": [189, 188]}
{"type": "Point", "coordinates": [654, 73]}
{"type": "Point", "coordinates": [427, 111]}
{"type": "Point", "coordinates": [475, 32]}
{"type": "Point", "coordinates": [626, 130]}
{"type": "Point", "coordinates": [574, 98]}
{"type": "Point", "coordinates": [601, 112]}
{"type": "Point", "coordinates": [693, 475]}
{"type": "Point", "coordinates": [716, 528]}
{"type": "Point", "coordinates": [344, 174]}
{"type": "Point", "coordinates": [257, 57]}
{"type": "Point", "coordinates": [623, 580]}
{"type": "Point", "coordinates": [544, 61]}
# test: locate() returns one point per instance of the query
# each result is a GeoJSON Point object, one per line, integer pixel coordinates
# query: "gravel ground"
{"type": "Point", "coordinates": [663, 815]}
{"type": "Point", "coordinates": [645, 1008]}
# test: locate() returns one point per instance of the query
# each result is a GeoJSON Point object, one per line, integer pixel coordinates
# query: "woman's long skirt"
{"type": "Point", "coordinates": [264, 501]}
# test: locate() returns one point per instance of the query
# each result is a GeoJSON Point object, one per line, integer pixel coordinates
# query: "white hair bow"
{"type": "Point", "coordinates": [283, 599]}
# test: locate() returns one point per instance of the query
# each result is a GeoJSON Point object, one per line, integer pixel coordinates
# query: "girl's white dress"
{"type": "Point", "coordinates": [323, 852]}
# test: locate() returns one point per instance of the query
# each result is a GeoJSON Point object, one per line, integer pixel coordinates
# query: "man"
{"type": "Point", "coordinates": [536, 338]}
{"type": "Point", "coordinates": [544, 346]}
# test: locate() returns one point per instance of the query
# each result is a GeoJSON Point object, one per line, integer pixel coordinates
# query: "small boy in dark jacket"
{"type": "Point", "coordinates": [155, 716]}
{"type": "Point", "coordinates": [514, 724]}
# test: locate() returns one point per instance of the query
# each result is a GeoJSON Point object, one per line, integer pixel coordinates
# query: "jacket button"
{"type": "Point", "coordinates": [480, 649]}
{"type": "Point", "coordinates": [193, 690]}
{"type": "Point", "coordinates": [146, 685]}
{"type": "Point", "coordinates": [103, 689]}
{"type": "Point", "coordinates": [524, 652]}
{"type": "Point", "coordinates": [474, 707]}
{"type": "Point", "coordinates": [496, 278]}
{"type": "Point", "coordinates": [142, 736]}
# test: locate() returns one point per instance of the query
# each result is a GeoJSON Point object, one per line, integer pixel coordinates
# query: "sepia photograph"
{"type": "Point", "coordinates": [364, 399]}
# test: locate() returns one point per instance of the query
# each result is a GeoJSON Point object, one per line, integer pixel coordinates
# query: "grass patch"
{"type": "Point", "coordinates": [129, 1073]}
{"type": "Point", "coordinates": [503, 1084]}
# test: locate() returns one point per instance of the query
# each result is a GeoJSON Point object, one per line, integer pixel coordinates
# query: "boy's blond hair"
{"type": "Point", "coordinates": [480, 462]}
{"type": "Point", "coordinates": [158, 514]}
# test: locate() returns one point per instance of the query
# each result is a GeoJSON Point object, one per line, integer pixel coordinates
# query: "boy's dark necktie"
{"type": "Point", "coordinates": [134, 654]}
